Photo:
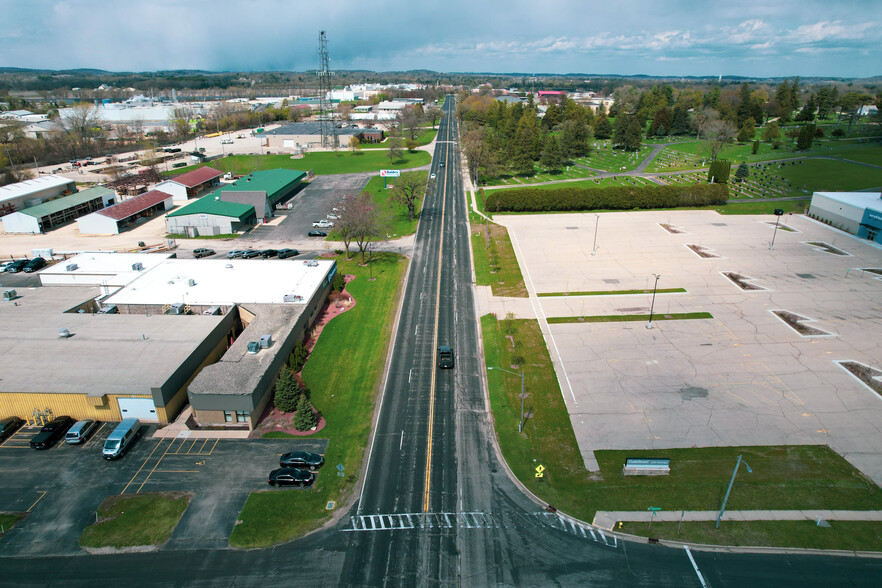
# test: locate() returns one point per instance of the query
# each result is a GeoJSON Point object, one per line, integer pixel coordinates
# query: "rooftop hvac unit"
{"type": "Point", "coordinates": [136, 267]}
{"type": "Point", "coordinates": [266, 341]}
{"type": "Point", "coordinates": [176, 308]}
{"type": "Point", "coordinates": [212, 310]}
{"type": "Point", "coordinates": [71, 267]}
{"type": "Point", "coordinates": [312, 263]}
{"type": "Point", "coordinates": [253, 347]}
{"type": "Point", "coordinates": [292, 298]}
{"type": "Point", "coordinates": [9, 294]}
{"type": "Point", "coordinates": [191, 282]}
{"type": "Point", "coordinates": [63, 333]}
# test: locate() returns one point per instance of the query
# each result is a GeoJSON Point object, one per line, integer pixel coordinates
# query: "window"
{"type": "Point", "coordinates": [241, 416]}
{"type": "Point", "coordinates": [228, 416]}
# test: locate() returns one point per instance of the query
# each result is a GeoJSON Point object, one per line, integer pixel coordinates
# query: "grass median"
{"type": "Point", "coordinates": [623, 318]}
{"type": "Point", "coordinates": [136, 520]}
{"type": "Point", "coordinates": [399, 224]}
{"type": "Point", "coordinates": [784, 477]}
{"type": "Point", "coordinates": [343, 373]}
{"type": "Point", "coordinates": [495, 262]}
{"type": "Point", "coordinates": [8, 520]}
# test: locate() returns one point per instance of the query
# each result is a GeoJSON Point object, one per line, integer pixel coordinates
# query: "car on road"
{"type": "Point", "coordinates": [249, 253]}
{"type": "Point", "coordinates": [317, 234]}
{"type": "Point", "coordinates": [301, 459]}
{"type": "Point", "coordinates": [441, 164]}
{"type": "Point", "coordinates": [235, 253]}
{"type": "Point", "coordinates": [269, 253]}
{"type": "Point", "coordinates": [16, 266]}
{"type": "Point", "coordinates": [51, 432]}
{"type": "Point", "coordinates": [9, 425]}
{"type": "Point", "coordinates": [432, 176]}
{"type": "Point", "coordinates": [286, 253]}
{"type": "Point", "coordinates": [323, 224]}
{"type": "Point", "coordinates": [80, 431]}
{"type": "Point", "coordinates": [290, 477]}
{"type": "Point", "coordinates": [202, 252]}
{"type": "Point", "coordinates": [445, 357]}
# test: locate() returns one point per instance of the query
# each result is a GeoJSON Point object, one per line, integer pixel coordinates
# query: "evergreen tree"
{"type": "Point", "coordinates": [719, 171]}
{"type": "Point", "coordinates": [755, 148]}
{"type": "Point", "coordinates": [680, 123]}
{"type": "Point", "coordinates": [552, 117]}
{"type": "Point", "coordinates": [805, 138]}
{"type": "Point", "coordinates": [742, 173]}
{"type": "Point", "coordinates": [305, 418]}
{"type": "Point", "coordinates": [825, 102]}
{"type": "Point", "coordinates": [286, 391]}
{"type": "Point", "coordinates": [783, 100]}
{"type": "Point", "coordinates": [603, 129]}
{"type": "Point", "coordinates": [745, 108]}
{"type": "Point", "coordinates": [771, 131]}
{"type": "Point", "coordinates": [662, 118]}
{"type": "Point", "coordinates": [298, 356]}
{"type": "Point", "coordinates": [747, 131]}
{"type": "Point", "coordinates": [807, 114]}
{"type": "Point", "coordinates": [575, 139]}
{"type": "Point", "coordinates": [552, 157]}
{"type": "Point", "coordinates": [627, 132]}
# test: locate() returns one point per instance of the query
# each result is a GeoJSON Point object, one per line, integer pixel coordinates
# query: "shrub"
{"type": "Point", "coordinates": [298, 357]}
{"type": "Point", "coordinates": [286, 391]}
{"type": "Point", "coordinates": [719, 171]}
{"type": "Point", "coordinates": [338, 283]}
{"type": "Point", "coordinates": [611, 198]}
{"type": "Point", "coordinates": [305, 418]}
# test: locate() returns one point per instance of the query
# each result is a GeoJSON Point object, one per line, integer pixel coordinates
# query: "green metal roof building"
{"type": "Point", "coordinates": [59, 211]}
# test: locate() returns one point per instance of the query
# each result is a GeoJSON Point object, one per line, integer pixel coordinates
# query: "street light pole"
{"type": "Point", "coordinates": [596, 222]}
{"type": "Point", "coordinates": [731, 482]}
{"type": "Point", "coordinates": [652, 305]}
{"type": "Point", "coordinates": [778, 213]}
{"type": "Point", "coordinates": [522, 395]}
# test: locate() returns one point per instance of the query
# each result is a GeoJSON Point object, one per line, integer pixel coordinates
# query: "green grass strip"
{"type": "Point", "coordinates": [613, 292]}
{"type": "Point", "coordinates": [134, 520]}
{"type": "Point", "coordinates": [621, 318]}
{"type": "Point", "coordinates": [8, 520]}
{"type": "Point", "coordinates": [496, 264]}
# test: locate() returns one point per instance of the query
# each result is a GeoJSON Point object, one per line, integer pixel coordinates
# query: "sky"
{"type": "Point", "coordinates": [757, 38]}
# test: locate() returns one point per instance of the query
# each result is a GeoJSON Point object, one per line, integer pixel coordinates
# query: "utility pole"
{"type": "Point", "coordinates": [324, 73]}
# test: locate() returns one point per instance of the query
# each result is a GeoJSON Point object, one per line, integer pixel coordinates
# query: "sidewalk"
{"type": "Point", "coordinates": [179, 430]}
{"type": "Point", "coordinates": [608, 519]}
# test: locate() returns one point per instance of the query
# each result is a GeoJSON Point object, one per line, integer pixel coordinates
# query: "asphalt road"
{"type": "Point", "coordinates": [437, 508]}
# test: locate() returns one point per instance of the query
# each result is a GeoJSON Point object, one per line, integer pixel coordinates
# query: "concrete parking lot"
{"type": "Point", "coordinates": [61, 488]}
{"type": "Point", "coordinates": [744, 377]}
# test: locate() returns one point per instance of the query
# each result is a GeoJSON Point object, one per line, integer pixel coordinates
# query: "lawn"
{"type": "Point", "coordinates": [132, 520]}
{"type": "Point", "coordinates": [495, 262]}
{"type": "Point", "coordinates": [748, 207]}
{"type": "Point", "coordinates": [871, 154]}
{"type": "Point", "coordinates": [343, 373]}
{"type": "Point", "coordinates": [320, 162]}
{"type": "Point", "coordinates": [821, 175]}
{"type": "Point", "coordinates": [425, 137]}
{"type": "Point", "coordinates": [622, 318]}
{"type": "Point", "coordinates": [8, 520]}
{"type": "Point", "coordinates": [397, 213]}
{"type": "Point", "coordinates": [792, 477]}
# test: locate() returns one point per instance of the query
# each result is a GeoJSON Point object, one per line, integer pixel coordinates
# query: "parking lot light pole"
{"type": "Point", "coordinates": [596, 222]}
{"type": "Point", "coordinates": [731, 482]}
{"type": "Point", "coordinates": [652, 305]}
{"type": "Point", "coordinates": [522, 395]}
{"type": "Point", "coordinates": [778, 213]}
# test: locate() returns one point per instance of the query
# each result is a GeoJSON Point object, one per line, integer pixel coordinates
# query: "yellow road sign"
{"type": "Point", "coordinates": [540, 475]}
{"type": "Point", "coordinates": [540, 468]}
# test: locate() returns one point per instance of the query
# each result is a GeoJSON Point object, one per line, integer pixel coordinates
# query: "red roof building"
{"type": "Point", "coordinates": [190, 184]}
{"type": "Point", "coordinates": [109, 221]}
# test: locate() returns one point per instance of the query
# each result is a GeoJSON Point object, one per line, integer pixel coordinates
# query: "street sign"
{"type": "Point", "coordinates": [540, 475]}
{"type": "Point", "coordinates": [340, 467]}
{"type": "Point", "coordinates": [341, 474]}
{"type": "Point", "coordinates": [540, 468]}
{"type": "Point", "coordinates": [390, 173]}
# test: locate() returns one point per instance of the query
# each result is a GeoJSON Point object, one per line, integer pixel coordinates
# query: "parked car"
{"type": "Point", "coordinates": [4, 265]}
{"type": "Point", "coordinates": [317, 234]}
{"type": "Point", "coordinates": [9, 425]}
{"type": "Point", "coordinates": [323, 224]}
{"type": "Point", "coordinates": [290, 477]}
{"type": "Point", "coordinates": [301, 459]}
{"type": "Point", "coordinates": [268, 253]}
{"type": "Point", "coordinates": [249, 253]}
{"type": "Point", "coordinates": [286, 253]}
{"type": "Point", "coordinates": [16, 266]}
{"type": "Point", "coordinates": [235, 253]}
{"type": "Point", "coordinates": [202, 252]}
{"type": "Point", "coordinates": [33, 265]}
{"type": "Point", "coordinates": [445, 357]}
{"type": "Point", "coordinates": [80, 431]}
{"type": "Point", "coordinates": [51, 432]}
{"type": "Point", "coordinates": [226, 141]}
{"type": "Point", "coordinates": [333, 217]}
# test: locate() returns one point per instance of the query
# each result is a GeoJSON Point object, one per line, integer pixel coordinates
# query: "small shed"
{"type": "Point", "coordinates": [119, 216]}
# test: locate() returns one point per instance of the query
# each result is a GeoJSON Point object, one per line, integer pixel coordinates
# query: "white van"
{"type": "Point", "coordinates": [120, 439]}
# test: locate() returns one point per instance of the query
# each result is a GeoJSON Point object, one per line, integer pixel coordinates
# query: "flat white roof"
{"type": "Point", "coordinates": [28, 187]}
{"type": "Point", "coordinates": [100, 268]}
{"type": "Point", "coordinates": [225, 282]}
{"type": "Point", "coordinates": [871, 200]}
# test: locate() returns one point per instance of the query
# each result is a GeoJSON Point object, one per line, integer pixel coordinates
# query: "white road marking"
{"type": "Point", "coordinates": [401, 443]}
{"type": "Point", "coordinates": [695, 567]}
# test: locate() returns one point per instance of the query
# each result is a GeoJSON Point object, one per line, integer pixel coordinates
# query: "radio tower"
{"type": "Point", "coordinates": [328, 128]}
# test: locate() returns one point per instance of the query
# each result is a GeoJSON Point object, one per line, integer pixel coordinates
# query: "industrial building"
{"type": "Point", "coordinates": [215, 333]}
{"type": "Point", "coordinates": [306, 135]}
{"type": "Point", "coordinates": [191, 184]}
{"type": "Point", "coordinates": [29, 193]}
{"type": "Point", "coordinates": [237, 206]}
{"type": "Point", "coordinates": [113, 219]}
{"type": "Point", "coordinates": [54, 213]}
{"type": "Point", "coordinates": [858, 213]}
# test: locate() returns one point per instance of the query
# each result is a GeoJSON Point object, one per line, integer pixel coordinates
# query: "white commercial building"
{"type": "Point", "coordinates": [33, 192]}
{"type": "Point", "coordinates": [858, 213]}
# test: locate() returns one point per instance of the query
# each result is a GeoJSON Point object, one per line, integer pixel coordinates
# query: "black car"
{"type": "Point", "coordinates": [249, 253]}
{"type": "Point", "coordinates": [33, 265]}
{"type": "Point", "coordinates": [290, 477]}
{"type": "Point", "coordinates": [268, 253]}
{"type": "Point", "coordinates": [16, 266]}
{"type": "Point", "coordinates": [202, 252]}
{"type": "Point", "coordinates": [286, 253]}
{"type": "Point", "coordinates": [317, 234]}
{"type": "Point", "coordinates": [301, 459]}
{"type": "Point", "coordinates": [51, 432]}
{"type": "Point", "coordinates": [445, 357]}
{"type": "Point", "coordinates": [9, 425]}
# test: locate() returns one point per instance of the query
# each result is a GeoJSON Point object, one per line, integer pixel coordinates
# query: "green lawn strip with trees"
{"type": "Point", "coordinates": [399, 224]}
{"type": "Point", "coordinates": [820, 175]}
{"type": "Point", "coordinates": [495, 262]}
{"type": "Point", "coordinates": [425, 137]}
{"type": "Point", "coordinates": [612, 292]}
{"type": "Point", "coordinates": [622, 318]}
{"type": "Point", "coordinates": [8, 520]}
{"type": "Point", "coordinates": [343, 374]}
{"type": "Point", "coordinates": [320, 162]}
{"type": "Point", "coordinates": [616, 198]}
{"type": "Point", "coordinates": [840, 535]}
{"type": "Point", "coordinates": [136, 520]}
{"type": "Point", "coordinates": [788, 477]}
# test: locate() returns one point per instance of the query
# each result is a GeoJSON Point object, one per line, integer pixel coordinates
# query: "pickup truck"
{"type": "Point", "coordinates": [51, 432]}
{"type": "Point", "coordinates": [323, 224]}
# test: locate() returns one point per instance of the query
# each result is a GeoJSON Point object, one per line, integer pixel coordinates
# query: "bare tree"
{"type": "Point", "coordinates": [477, 151]}
{"type": "Point", "coordinates": [394, 152]}
{"type": "Point", "coordinates": [719, 133]}
{"type": "Point", "coordinates": [408, 189]}
{"type": "Point", "coordinates": [433, 114]}
{"type": "Point", "coordinates": [703, 117]}
{"type": "Point", "coordinates": [345, 211]}
{"type": "Point", "coordinates": [367, 221]}
{"type": "Point", "coordinates": [180, 121]}
{"type": "Point", "coordinates": [82, 122]}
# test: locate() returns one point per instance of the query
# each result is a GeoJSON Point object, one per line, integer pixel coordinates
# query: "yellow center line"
{"type": "Point", "coordinates": [427, 485]}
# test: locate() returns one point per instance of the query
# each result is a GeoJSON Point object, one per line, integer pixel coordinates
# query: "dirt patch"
{"type": "Point", "coordinates": [742, 282]}
{"type": "Point", "coordinates": [674, 230]}
{"type": "Point", "coordinates": [702, 251]}
{"type": "Point", "coordinates": [866, 374]}
{"type": "Point", "coordinates": [795, 322]}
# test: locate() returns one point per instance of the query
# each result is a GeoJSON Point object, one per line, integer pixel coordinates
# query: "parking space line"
{"type": "Point", "coordinates": [204, 443]}
{"type": "Point", "coordinates": [159, 461]}
{"type": "Point", "coordinates": [42, 494]}
{"type": "Point", "coordinates": [142, 466]}
{"type": "Point", "coordinates": [173, 472]}
{"type": "Point", "coordinates": [213, 446]}
{"type": "Point", "coordinates": [94, 437]}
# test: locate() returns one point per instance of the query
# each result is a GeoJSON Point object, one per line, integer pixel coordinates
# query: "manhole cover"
{"type": "Point", "coordinates": [611, 281]}
{"type": "Point", "coordinates": [806, 276]}
{"type": "Point", "coordinates": [720, 224]}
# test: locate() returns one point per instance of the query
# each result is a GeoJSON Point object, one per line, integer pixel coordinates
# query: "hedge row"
{"type": "Point", "coordinates": [611, 198]}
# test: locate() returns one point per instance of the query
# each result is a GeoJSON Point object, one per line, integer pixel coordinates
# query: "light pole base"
{"type": "Point", "coordinates": [649, 325]}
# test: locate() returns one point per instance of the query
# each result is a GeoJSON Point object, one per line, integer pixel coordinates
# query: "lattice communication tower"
{"type": "Point", "coordinates": [324, 73]}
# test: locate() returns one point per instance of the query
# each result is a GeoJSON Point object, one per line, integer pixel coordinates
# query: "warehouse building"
{"type": "Point", "coordinates": [33, 192]}
{"type": "Point", "coordinates": [113, 219]}
{"type": "Point", "coordinates": [215, 333]}
{"type": "Point", "coordinates": [54, 213]}
{"type": "Point", "coordinates": [190, 184]}
{"type": "Point", "coordinates": [858, 213]}
{"type": "Point", "coordinates": [306, 135]}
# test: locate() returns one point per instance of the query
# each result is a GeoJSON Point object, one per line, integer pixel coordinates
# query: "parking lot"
{"type": "Point", "coordinates": [61, 488]}
{"type": "Point", "coordinates": [744, 377]}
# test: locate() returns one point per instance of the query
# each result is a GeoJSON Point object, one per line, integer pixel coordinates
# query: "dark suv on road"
{"type": "Point", "coordinates": [445, 357]}
{"type": "Point", "coordinates": [301, 459]}
{"type": "Point", "coordinates": [51, 432]}
{"type": "Point", "coordinates": [290, 477]}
